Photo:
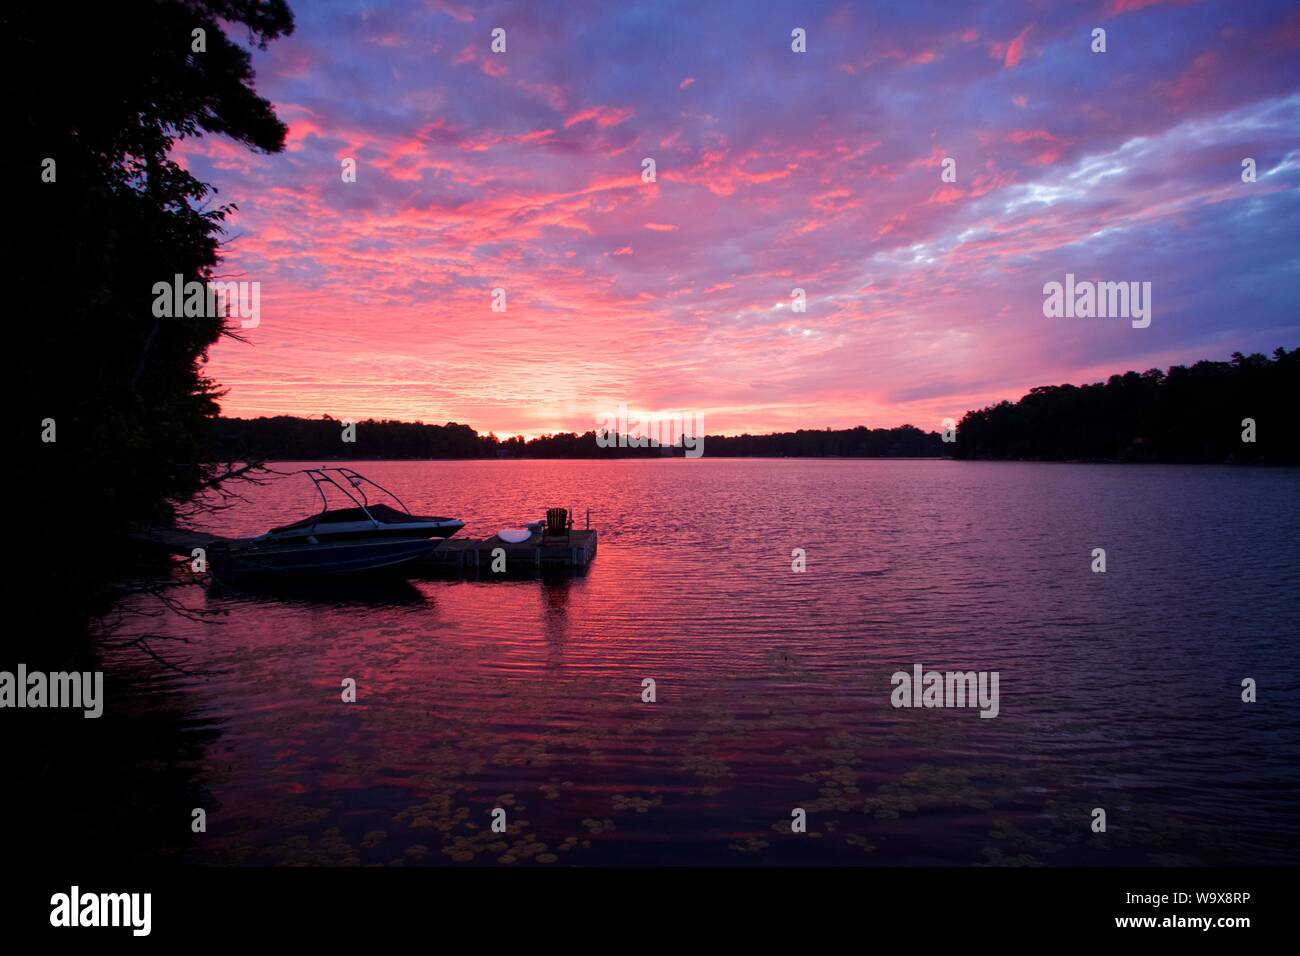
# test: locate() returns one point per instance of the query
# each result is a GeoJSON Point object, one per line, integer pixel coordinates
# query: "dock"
{"type": "Point", "coordinates": [573, 550]}
{"type": "Point", "coordinates": [181, 541]}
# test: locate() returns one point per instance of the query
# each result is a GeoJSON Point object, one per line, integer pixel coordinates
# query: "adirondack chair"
{"type": "Point", "coordinates": [557, 524]}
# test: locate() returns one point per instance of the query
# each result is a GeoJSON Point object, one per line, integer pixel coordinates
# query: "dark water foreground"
{"type": "Point", "coordinates": [1119, 691]}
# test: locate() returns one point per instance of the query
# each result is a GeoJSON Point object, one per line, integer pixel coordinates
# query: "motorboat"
{"type": "Point", "coordinates": [365, 521]}
{"type": "Point", "coordinates": [368, 536]}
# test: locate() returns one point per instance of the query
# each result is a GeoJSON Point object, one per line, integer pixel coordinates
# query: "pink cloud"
{"type": "Point", "coordinates": [1012, 53]}
{"type": "Point", "coordinates": [945, 194]}
{"type": "Point", "coordinates": [1193, 82]}
{"type": "Point", "coordinates": [1114, 7]}
{"type": "Point", "coordinates": [299, 130]}
{"type": "Point", "coordinates": [458, 12]}
{"type": "Point", "coordinates": [602, 115]}
{"type": "Point", "coordinates": [554, 95]}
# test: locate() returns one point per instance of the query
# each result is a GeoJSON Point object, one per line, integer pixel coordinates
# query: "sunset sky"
{"type": "Point", "coordinates": [776, 170]}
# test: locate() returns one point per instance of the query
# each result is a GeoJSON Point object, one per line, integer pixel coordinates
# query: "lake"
{"type": "Point", "coordinates": [1119, 690]}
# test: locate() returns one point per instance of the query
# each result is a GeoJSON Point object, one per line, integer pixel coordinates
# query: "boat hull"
{"type": "Point", "coordinates": [261, 560]}
{"type": "Point", "coordinates": [362, 532]}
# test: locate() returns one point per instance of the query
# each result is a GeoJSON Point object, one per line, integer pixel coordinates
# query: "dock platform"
{"type": "Point", "coordinates": [181, 541]}
{"type": "Point", "coordinates": [574, 550]}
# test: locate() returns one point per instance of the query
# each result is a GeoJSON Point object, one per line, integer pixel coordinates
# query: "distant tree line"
{"type": "Point", "coordinates": [1195, 414]}
{"type": "Point", "coordinates": [1188, 414]}
{"type": "Point", "coordinates": [300, 439]}
{"type": "Point", "coordinates": [905, 441]}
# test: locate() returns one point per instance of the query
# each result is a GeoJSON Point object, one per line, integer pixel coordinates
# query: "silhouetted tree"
{"type": "Point", "coordinates": [1185, 415]}
{"type": "Point", "coordinates": [105, 91]}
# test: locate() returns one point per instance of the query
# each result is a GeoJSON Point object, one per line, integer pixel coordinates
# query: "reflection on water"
{"type": "Point", "coordinates": [1118, 691]}
{"type": "Point", "coordinates": [341, 593]}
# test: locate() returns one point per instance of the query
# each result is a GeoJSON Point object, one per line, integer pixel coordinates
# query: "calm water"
{"type": "Point", "coordinates": [1118, 690]}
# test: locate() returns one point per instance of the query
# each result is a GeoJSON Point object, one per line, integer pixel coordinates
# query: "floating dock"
{"type": "Point", "coordinates": [573, 550]}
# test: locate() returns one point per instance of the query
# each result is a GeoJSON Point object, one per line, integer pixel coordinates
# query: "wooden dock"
{"type": "Point", "coordinates": [574, 550]}
{"type": "Point", "coordinates": [180, 541]}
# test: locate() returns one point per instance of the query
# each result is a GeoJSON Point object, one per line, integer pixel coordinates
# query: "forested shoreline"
{"type": "Point", "coordinates": [1210, 412]}
{"type": "Point", "coordinates": [1203, 413]}
{"type": "Point", "coordinates": [289, 438]}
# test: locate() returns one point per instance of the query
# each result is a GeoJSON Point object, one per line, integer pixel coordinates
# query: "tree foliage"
{"type": "Point", "coordinates": [294, 439]}
{"type": "Point", "coordinates": [1188, 414]}
{"type": "Point", "coordinates": [107, 94]}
